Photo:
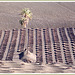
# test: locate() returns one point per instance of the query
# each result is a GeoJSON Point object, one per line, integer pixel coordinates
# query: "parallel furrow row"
{"type": "Point", "coordinates": [22, 39]}
{"type": "Point", "coordinates": [30, 40]}
{"type": "Point", "coordinates": [65, 45]}
{"type": "Point", "coordinates": [48, 51]}
{"type": "Point", "coordinates": [72, 39]}
{"type": "Point", "coordinates": [56, 44]}
{"type": "Point", "coordinates": [49, 45]}
{"type": "Point", "coordinates": [38, 46]}
{"type": "Point", "coordinates": [12, 45]}
{"type": "Point", "coordinates": [4, 43]}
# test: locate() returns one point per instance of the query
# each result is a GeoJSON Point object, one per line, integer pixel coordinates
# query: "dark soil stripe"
{"type": "Point", "coordinates": [73, 31]}
{"type": "Point", "coordinates": [48, 51]}
{"type": "Point", "coordinates": [56, 44]}
{"type": "Point", "coordinates": [1, 39]}
{"type": "Point", "coordinates": [21, 40]}
{"type": "Point", "coordinates": [12, 45]}
{"type": "Point", "coordinates": [72, 40]}
{"type": "Point", "coordinates": [16, 56]}
{"type": "Point", "coordinates": [6, 51]}
{"type": "Point", "coordinates": [62, 53]}
{"type": "Point", "coordinates": [70, 46]}
{"type": "Point", "coordinates": [4, 44]}
{"type": "Point", "coordinates": [65, 45]}
{"type": "Point", "coordinates": [38, 46]}
{"type": "Point", "coordinates": [30, 39]}
{"type": "Point", "coordinates": [0, 33]}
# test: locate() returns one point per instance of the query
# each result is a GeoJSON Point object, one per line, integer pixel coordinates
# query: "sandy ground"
{"type": "Point", "coordinates": [45, 14]}
{"type": "Point", "coordinates": [21, 67]}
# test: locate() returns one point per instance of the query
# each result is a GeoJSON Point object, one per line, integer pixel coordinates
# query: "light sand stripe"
{"type": "Point", "coordinates": [16, 56]}
{"type": "Point", "coordinates": [70, 46]}
{"type": "Point", "coordinates": [62, 53]}
{"type": "Point", "coordinates": [43, 47]}
{"type": "Point", "coordinates": [1, 39]}
{"type": "Point", "coordinates": [53, 55]}
{"type": "Point", "coordinates": [7, 47]}
{"type": "Point", "coordinates": [26, 39]}
{"type": "Point", "coordinates": [34, 41]}
{"type": "Point", "coordinates": [73, 30]}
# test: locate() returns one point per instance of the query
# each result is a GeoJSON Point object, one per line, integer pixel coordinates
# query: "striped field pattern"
{"type": "Point", "coordinates": [49, 45]}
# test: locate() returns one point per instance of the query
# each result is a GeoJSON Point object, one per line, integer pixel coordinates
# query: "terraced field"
{"type": "Point", "coordinates": [49, 45]}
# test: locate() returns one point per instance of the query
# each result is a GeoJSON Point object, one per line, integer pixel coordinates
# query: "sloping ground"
{"type": "Point", "coordinates": [51, 46]}
{"type": "Point", "coordinates": [21, 67]}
